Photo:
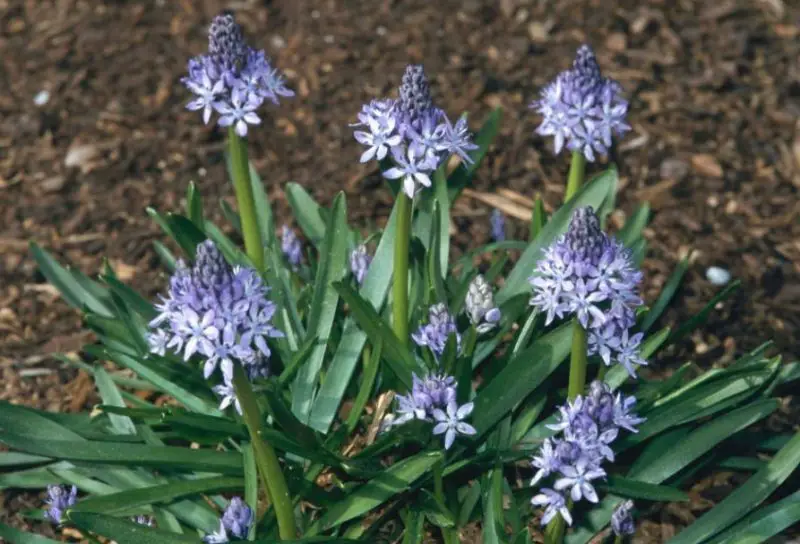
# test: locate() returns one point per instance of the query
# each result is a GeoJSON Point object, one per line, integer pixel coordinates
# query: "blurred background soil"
{"type": "Point", "coordinates": [93, 130]}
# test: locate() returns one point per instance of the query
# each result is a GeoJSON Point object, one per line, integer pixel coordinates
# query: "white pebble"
{"type": "Point", "coordinates": [717, 275]}
{"type": "Point", "coordinates": [41, 98]}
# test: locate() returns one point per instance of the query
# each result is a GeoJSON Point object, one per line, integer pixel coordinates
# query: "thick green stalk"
{"type": "Point", "coordinates": [400, 274]}
{"type": "Point", "coordinates": [576, 172]}
{"type": "Point", "coordinates": [577, 361]}
{"type": "Point", "coordinates": [240, 169]}
{"type": "Point", "coordinates": [554, 533]}
{"type": "Point", "coordinates": [266, 459]}
{"type": "Point", "coordinates": [618, 539]}
{"type": "Point", "coordinates": [601, 371]}
{"type": "Point", "coordinates": [449, 535]}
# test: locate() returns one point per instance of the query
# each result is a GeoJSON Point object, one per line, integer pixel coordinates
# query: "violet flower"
{"type": "Point", "coordinates": [582, 109]}
{"type": "Point", "coordinates": [232, 79]}
{"type": "Point", "coordinates": [435, 333]}
{"type": "Point", "coordinates": [216, 311]}
{"type": "Point", "coordinates": [60, 500]}
{"type": "Point", "coordinates": [411, 131]}
{"type": "Point", "coordinates": [588, 425]}
{"type": "Point", "coordinates": [587, 274]}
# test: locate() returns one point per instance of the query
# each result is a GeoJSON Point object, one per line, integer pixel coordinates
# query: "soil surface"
{"type": "Point", "coordinates": [93, 130]}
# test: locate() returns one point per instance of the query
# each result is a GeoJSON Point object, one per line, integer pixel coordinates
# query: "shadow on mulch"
{"type": "Point", "coordinates": [93, 130]}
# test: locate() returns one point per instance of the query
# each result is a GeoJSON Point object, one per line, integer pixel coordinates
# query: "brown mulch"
{"type": "Point", "coordinates": [715, 145]}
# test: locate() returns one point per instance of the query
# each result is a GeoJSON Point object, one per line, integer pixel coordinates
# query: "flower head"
{"type": "Point", "coordinates": [216, 311]}
{"type": "Point", "coordinates": [435, 333]}
{"type": "Point", "coordinates": [581, 108]}
{"type": "Point", "coordinates": [589, 424]}
{"type": "Point", "coordinates": [622, 519]}
{"type": "Point", "coordinates": [59, 500]}
{"type": "Point", "coordinates": [412, 132]}
{"type": "Point", "coordinates": [232, 79]}
{"type": "Point", "coordinates": [480, 305]}
{"type": "Point", "coordinates": [143, 519]}
{"type": "Point", "coordinates": [591, 275]}
{"type": "Point", "coordinates": [237, 518]}
{"type": "Point", "coordinates": [359, 263]}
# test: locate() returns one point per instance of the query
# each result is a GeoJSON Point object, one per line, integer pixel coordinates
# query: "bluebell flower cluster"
{"type": "Point", "coordinates": [622, 519]}
{"type": "Point", "coordinates": [588, 425]}
{"type": "Point", "coordinates": [235, 523]}
{"type": "Point", "coordinates": [582, 109]}
{"type": "Point", "coordinates": [497, 223]}
{"type": "Point", "coordinates": [416, 134]}
{"type": "Point", "coordinates": [216, 311]}
{"type": "Point", "coordinates": [233, 79]}
{"type": "Point", "coordinates": [433, 399]}
{"type": "Point", "coordinates": [591, 275]}
{"type": "Point", "coordinates": [480, 306]}
{"type": "Point", "coordinates": [291, 247]}
{"type": "Point", "coordinates": [60, 500]}
{"type": "Point", "coordinates": [359, 263]}
{"type": "Point", "coordinates": [435, 333]}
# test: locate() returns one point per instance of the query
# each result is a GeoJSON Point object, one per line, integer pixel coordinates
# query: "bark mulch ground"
{"type": "Point", "coordinates": [93, 130]}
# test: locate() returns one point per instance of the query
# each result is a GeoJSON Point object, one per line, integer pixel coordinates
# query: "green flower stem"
{"type": "Point", "coordinates": [554, 533]}
{"type": "Point", "coordinates": [266, 460]}
{"type": "Point", "coordinates": [618, 539]}
{"type": "Point", "coordinates": [577, 361]}
{"type": "Point", "coordinates": [240, 168]}
{"type": "Point", "coordinates": [450, 535]}
{"type": "Point", "coordinates": [601, 371]}
{"type": "Point", "coordinates": [400, 274]}
{"type": "Point", "coordinates": [577, 168]}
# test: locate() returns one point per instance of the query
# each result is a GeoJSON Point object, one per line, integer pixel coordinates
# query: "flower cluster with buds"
{"type": "Point", "coordinates": [591, 275]}
{"type": "Point", "coordinates": [291, 247]}
{"type": "Point", "coordinates": [233, 79]}
{"type": "Point", "coordinates": [433, 399]}
{"type": "Point", "coordinates": [480, 307]}
{"type": "Point", "coordinates": [435, 333]}
{"type": "Point", "coordinates": [418, 135]}
{"type": "Point", "coordinates": [235, 523]}
{"type": "Point", "coordinates": [498, 225]}
{"type": "Point", "coordinates": [589, 424]}
{"type": "Point", "coordinates": [359, 263]}
{"type": "Point", "coordinates": [219, 312]}
{"type": "Point", "coordinates": [59, 500]}
{"type": "Point", "coordinates": [622, 519]}
{"type": "Point", "coordinates": [582, 109]}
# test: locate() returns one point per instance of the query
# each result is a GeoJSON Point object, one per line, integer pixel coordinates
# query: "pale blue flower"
{"type": "Point", "coordinates": [451, 422]}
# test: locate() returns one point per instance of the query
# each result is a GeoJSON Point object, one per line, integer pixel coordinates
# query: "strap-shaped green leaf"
{"type": "Point", "coordinates": [331, 268]}
{"type": "Point", "coordinates": [635, 489]}
{"type": "Point", "coordinates": [124, 453]}
{"type": "Point", "coordinates": [15, 536]}
{"type": "Point", "coordinates": [124, 531]}
{"type": "Point", "coordinates": [394, 480]}
{"type": "Point", "coordinates": [78, 290]}
{"type": "Point", "coordinates": [746, 497]}
{"type": "Point", "coordinates": [524, 372]}
{"type": "Point", "coordinates": [124, 502]}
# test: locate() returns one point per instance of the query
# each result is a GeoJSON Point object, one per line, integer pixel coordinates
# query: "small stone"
{"type": "Point", "coordinates": [707, 165]}
{"type": "Point", "coordinates": [53, 184]}
{"type": "Point", "coordinates": [80, 156]}
{"type": "Point", "coordinates": [674, 168]}
{"type": "Point", "coordinates": [717, 275]}
{"type": "Point", "coordinates": [41, 98]}
{"type": "Point", "coordinates": [539, 31]}
{"type": "Point", "coordinates": [617, 42]}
